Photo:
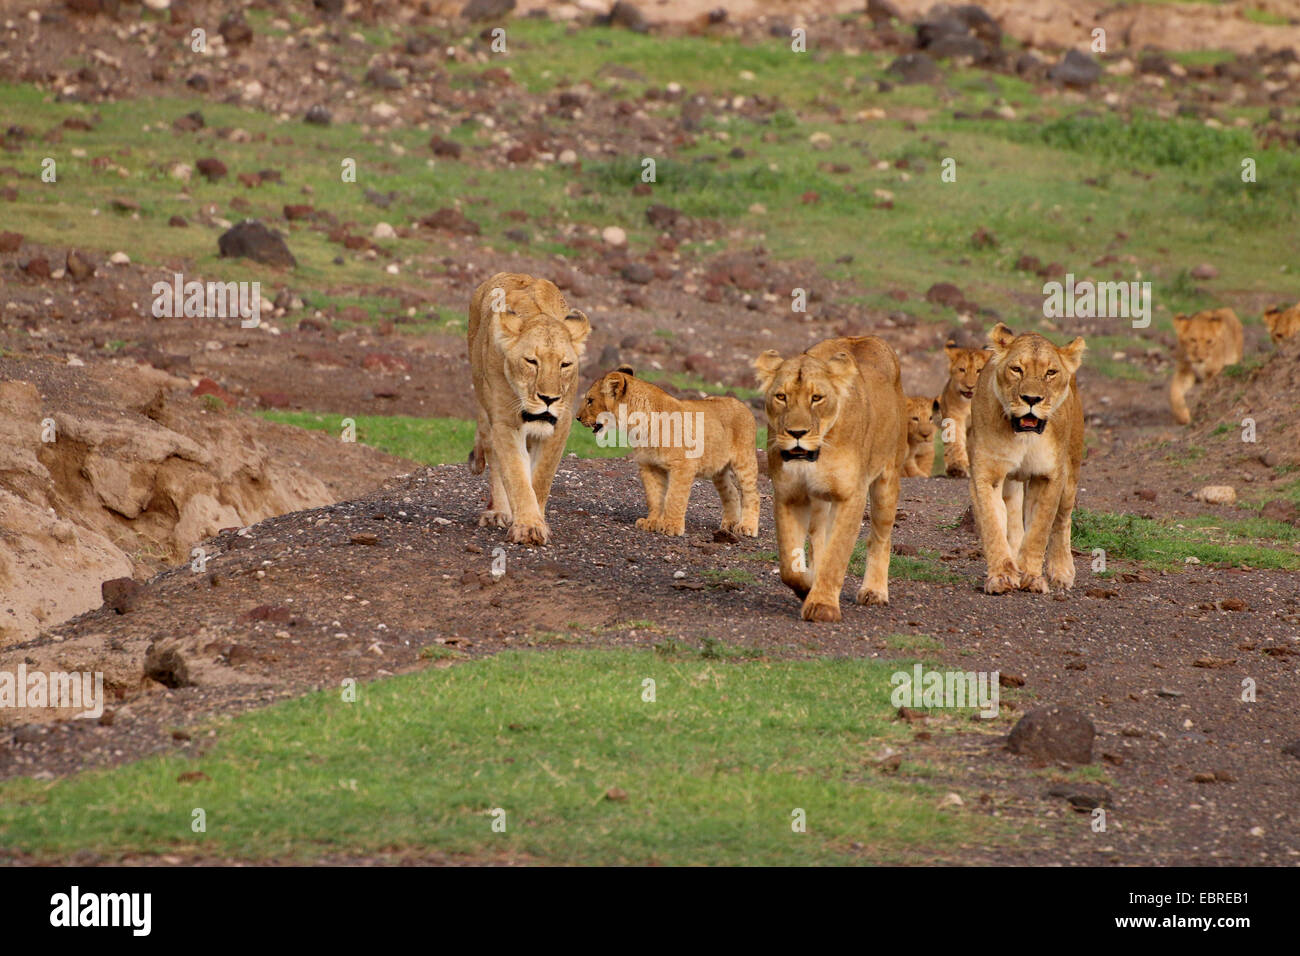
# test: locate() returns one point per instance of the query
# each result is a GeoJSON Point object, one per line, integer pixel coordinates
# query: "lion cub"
{"type": "Point", "coordinates": [920, 436]}
{"type": "Point", "coordinates": [1282, 323]}
{"type": "Point", "coordinates": [1208, 342]}
{"type": "Point", "coordinates": [835, 437]}
{"type": "Point", "coordinates": [1026, 445]}
{"type": "Point", "coordinates": [675, 441]}
{"type": "Point", "coordinates": [964, 366]}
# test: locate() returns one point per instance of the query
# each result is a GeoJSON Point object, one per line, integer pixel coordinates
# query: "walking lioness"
{"type": "Point", "coordinates": [1026, 443]}
{"type": "Point", "coordinates": [835, 435]}
{"type": "Point", "coordinates": [524, 347]}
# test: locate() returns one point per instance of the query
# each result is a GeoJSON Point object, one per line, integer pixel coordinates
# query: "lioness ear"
{"type": "Point", "coordinates": [579, 327]}
{"type": "Point", "coordinates": [615, 386]}
{"type": "Point", "coordinates": [1072, 354]}
{"type": "Point", "coordinates": [950, 349]}
{"type": "Point", "coordinates": [506, 327]}
{"type": "Point", "coordinates": [934, 407]}
{"type": "Point", "coordinates": [842, 368]}
{"type": "Point", "coordinates": [1001, 337]}
{"type": "Point", "coordinates": [765, 366]}
{"type": "Point", "coordinates": [626, 370]}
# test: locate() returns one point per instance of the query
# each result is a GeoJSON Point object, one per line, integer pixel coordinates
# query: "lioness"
{"type": "Point", "coordinates": [920, 437]}
{"type": "Point", "coordinates": [1208, 342]}
{"type": "Point", "coordinates": [1282, 323]}
{"type": "Point", "coordinates": [964, 366]}
{"type": "Point", "coordinates": [674, 442]}
{"type": "Point", "coordinates": [1026, 444]}
{"type": "Point", "coordinates": [835, 434]}
{"type": "Point", "coordinates": [524, 347]}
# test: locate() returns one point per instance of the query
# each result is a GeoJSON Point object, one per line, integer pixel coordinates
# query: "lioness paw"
{"type": "Point", "coordinates": [870, 596]}
{"type": "Point", "coordinates": [1062, 578]}
{"type": "Point", "coordinates": [816, 611]}
{"type": "Point", "coordinates": [1005, 578]}
{"type": "Point", "coordinates": [1033, 582]}
{"type": "Point", "coordinates": [747, 528]}
{"type": "Point", "coordinates": [494, 519]}
{"type": "Point", "coordinates": [647, 524]}
{"type": "Point", "coordinates": [957, 471]}
{"type": "Point", "coordinates": [530, 532]}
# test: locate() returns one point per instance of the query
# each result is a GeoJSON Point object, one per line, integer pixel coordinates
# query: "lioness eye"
{"type": "Point", "coordinates": [531, 361]}
{"type": "Point", "coordinates": [779, 396]}
{"type": "Point", "coordinates": [566, 364]}
{"type": "Point", "coordinates": [1018, 370]}
{"type": "Point", "coordinates": [818, 398]}
{"type": "Point", "coordinates": [1051, 372]}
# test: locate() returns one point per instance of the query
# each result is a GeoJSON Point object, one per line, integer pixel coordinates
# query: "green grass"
{"type": "Point", "coordinates": [428, 441]}
{"type": "Point", "coordinates": [923, 566]}
{"type": "Point", "coordinates": [1167, 545]}
{"type": "Point", "coordinates": [712, 770]}
{"type": "Point", "coordinates": [913, 642]}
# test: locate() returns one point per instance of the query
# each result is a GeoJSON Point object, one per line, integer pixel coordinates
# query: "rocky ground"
{"type": "Point", "coordinates": [368, 570]}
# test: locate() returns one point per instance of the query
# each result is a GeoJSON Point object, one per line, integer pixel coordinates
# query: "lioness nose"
{"type": "Point", "coordinates": [1031, 399]}
{"type": "Point", "coordinates": [548, 399]}
{"type": "Point", "coordinates": [796, 433]}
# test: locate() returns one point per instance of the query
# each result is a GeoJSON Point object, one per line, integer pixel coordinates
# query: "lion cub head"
{"type": "Point", "coordinates": [964, 367]}
{"type": "Point", "coordinates": [1282, 323]}
{"type": "Point", "coordinates": [804, 396]}
{"type": "Point", "coordinates": [920, 420]}
{"type": "Point", "coordinates": [1031, 376]}
{"type": "Point", "coordinates": [1201, 338]}
{"type": "Point", "coordinates": [605, 395]}
{"type": "Point", "coordinates": [542, 340]}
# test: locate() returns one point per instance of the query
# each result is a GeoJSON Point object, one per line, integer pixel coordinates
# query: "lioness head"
{"type": "Point", "coordinates": [964, 367]}
{"type": "Point", "coordinates": [920, 423]}
{"type": "Point", "coordinates": [804, 396]}
{"type": "Point", "coordinates": [1031, 376]}
{"type": "Point", "coordinates": [1282, 322]}
{"type": "Point", "coordinates": [542, 339]}
{"type": "Point", "coordinates": [1201, 336]}
{"type": "Point", "coordinates": [604, 395]}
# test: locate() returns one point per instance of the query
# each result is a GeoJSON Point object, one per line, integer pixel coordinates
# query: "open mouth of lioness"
{"type": "Point", "coordinates": [546, 417]}
{"type": "Point", "coordinates": [597, 427]}
{"type": "Point", "coordinates": [1029, 423]}
{"type": "Point", "coordinates": [967, 392]}
{"type": "Point", "coordinates": [800, 454]}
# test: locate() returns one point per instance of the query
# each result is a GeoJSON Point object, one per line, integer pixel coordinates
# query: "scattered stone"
{"type": "Point", "coordinates": [253, 240]}
{"type": "Point", "coordinates": [1076, 69]}
{"type": "Point", "coordinates": [1217, 495]}
{"type": "Point", "coordinates": [614, 236]}
{"type": "Point", "coordinates": [383, 231]}
{"type": "Point", "coordinates": [10, 241]}
{"type": "Point", "coordinates": [629, 17]}
{"type": "Point", "coordinates": [914, 68]}
{"type": "Point", "coordinates": [211, 169]}
{"type": "Point", "coordinates": [445, 147]}
{"type": "Point", "coordinates": [79, 266]}
{"type": "Point", "coordinates": [167, 665]}
{"type": "Point", "coordinates": [235, 31]}
{"type": "Point", "coordinates": [318, 116]}
{"type": "Point", "coordinates": [1205, 271]}
{"type": "Point", "coordinates": [450, 220]}
{"type": "Point", "coordinates": [38, 267]}
{"type": "Point", "coordinates": [1053, 733]}
{"type": "Point", "coordinates": [1082, 796]}
{"type": "Point", "coordinates": [121, 594]}
{"type": "Point", "coordinates": [486, 9]}
{"type": "Point", "coordinates": [1279, 509]}
{"type": "Point", "coordinates": [616, 794]}
{"type": "Point", "coordinates": [637, 272]}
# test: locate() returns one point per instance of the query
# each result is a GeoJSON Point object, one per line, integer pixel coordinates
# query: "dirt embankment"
{"type": "Point", "coordinates": [115, 471]}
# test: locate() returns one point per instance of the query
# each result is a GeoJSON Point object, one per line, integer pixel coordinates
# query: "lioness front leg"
{"type": "Point", "coordinates": [497, 514]}
{"type": "Point", "coordinates": [843, 520]}
{"type": "Point", "coordinates": [512, 465]}
{"type": "Point", "coordinates": [676, 497]}
{"type": "Point", "coordinates": [654, 481]}
{"type": "Point", "coordinates": [1002, 574]}
{"type": "Point", "coordinates": [956, 461]}
{"type": "Point", "coordinates": [1183, 380]}
{"type": "Point", "coordinates": [791, 534]}
{"type": "Point", "coordinates": [547, 461]}
{"type": "Point", "coordinates": [884, 507]}
{"type": "Point", "coordinates": [1042, 498]}
{"type": "Point", "coordinates": [1060, 559]}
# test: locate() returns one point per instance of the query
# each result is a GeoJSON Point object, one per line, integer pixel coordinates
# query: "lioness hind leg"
{"type": "Point", "coordinates": [884, 505]}
{"type": "Point", "coordinates": [676, 497]}
{"type": "Point", "coordinates": [744, 473]}
{"type": "Point", "coordinates": [956, 461]}
{"type": "Point", "coordinates": [1060, 559]}
{"type": "Point", "coordinates": [729, 494]}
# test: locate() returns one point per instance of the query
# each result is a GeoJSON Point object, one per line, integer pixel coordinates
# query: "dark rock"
{"type": "Point", "coordinates": [451, 220]}
{"type": "Point", "coordinates": [10, 241]}
{"type": "Point", "coordinates": [318, 116]}
{"type": "Point", "coordinates": [295, 211]}
{"type": "Point", "coordinates": [628, 16]}
{"type": "Point", "coordinates": [167, 665]}
{"type": "Point", "coordinates": [251, 239]}
{"type": "Point", "coordinates": [121, 594]}
{"type": "Point", "coordinates": [189, 122]}
{"type": "Point", "coordinates": [663, 217]}
{"type": "Point", "coordinates": [1076, 69]}
{"type": "Point", "coordinates": [419, 45]}
{"type": "Point", "coordinates": [486, 9]}
{"type": "Point", "coordinates": [1081, 796]}
{"type": "Point", "coordinates": [637, 272]}
{"type": "Point", "coordinates": [914, 68]}
{"type": "Point", "coordinates": [211, 169]}
{"type": "Point", "coordinates": [881, 11]}
{"type": "Point", "coordinates": [945, 293]}
{"type": "Point", "coordinates": [1292, 749]}
{"type": "Point", "coordinates": [235, 30]}
{"type": "Point", "coordinates": [378, 77]}
{"type": "Point", "coordinates": [1053, 733]}
{"type": "Point", "coordinates": [38, 267]}
{"type": "Point", "coordinates": [79, 266]}
{"type": "Point", "coordinates": [1279, 509]}
{"type": "Point", "coordinates": [445, 147]}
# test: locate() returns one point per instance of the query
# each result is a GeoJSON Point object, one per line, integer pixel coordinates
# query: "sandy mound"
{"type": "Point", "coordinates": [115, 471]}
{"type": "Point", "coordinates": [1270, 394]}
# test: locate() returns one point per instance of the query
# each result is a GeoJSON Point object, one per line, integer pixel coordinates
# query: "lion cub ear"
{"type": "Point", "coordinates": [934, 407]}
{"type": "Point", "coordinates": [765, 366]}
{"type": "Point", "coordinates": [1180, 320]}
{"type": "Point", "coordinates": [579, 327]}
{"type": "Point", "coordinates": [615, 385]}
{"type": "Point", "coordinates": [1001, 337]}
{"type": "Point", "coordinates": [626, 370]}
{"type": "Point", "coordinates": [1072, 354]}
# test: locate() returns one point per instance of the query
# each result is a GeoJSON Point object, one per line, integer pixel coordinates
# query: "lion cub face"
{"type": "Point", "coordinates": [1032, 376]}
{"type": "Point", "coordinates": [604, 395]}
{"type": "Point", "coordinates": [920, 422]}
{"type": "Point", "coordinates": [804, 396]}
{"type": "Point", "coordinates": [964, 367]}
{"type": "Point", "coordinates": [542, 339]}
{"type": "Point", "coordinates": [1201, 338]}
{"type": "Point", "coordinates": [1282, 323]}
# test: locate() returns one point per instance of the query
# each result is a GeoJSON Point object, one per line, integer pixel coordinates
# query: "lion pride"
{"type": "Point", "coordinates": [836, 436]}
{"type": "Point", "coordinates": [524, 347]}
{"type": "Point", "coordinates": [1026, 445]}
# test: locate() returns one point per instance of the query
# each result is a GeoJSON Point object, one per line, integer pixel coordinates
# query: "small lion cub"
{"type": "Point", "coordinates": [920, 436]}
{"type": "Point", "coordinates": [674, 442]}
